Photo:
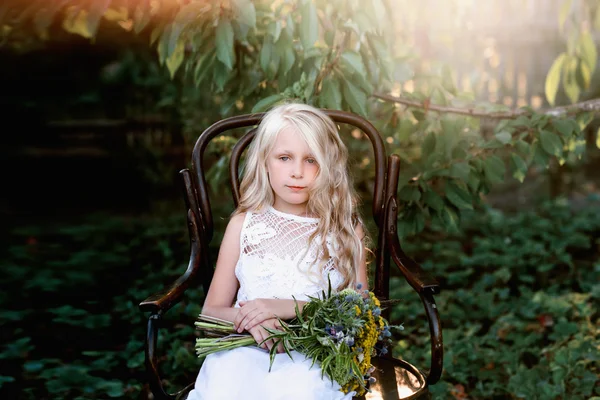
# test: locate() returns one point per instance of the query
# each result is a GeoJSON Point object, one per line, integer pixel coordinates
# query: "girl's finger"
{"type": "Point", "coordinates": [256, 319]}
{"type": "Point", "coordinates": [247, 318]}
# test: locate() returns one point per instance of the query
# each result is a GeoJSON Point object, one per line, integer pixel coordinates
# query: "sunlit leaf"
{"type": "Point", "coordinates": [245, 12]}
{"type": "Point", "coordinates": [309, 25]}
{"type": "Point", "coordinates": [185, 16]}
{"type": "Point", "coordinates": [569, 79]}
{"type": "Point", "coordinates": [553, 78]}
{"type": "Point", "coordinates": [565, 8]}
{"type": "Point", "coordinates": [141, 16]}
{"type": "Point", "coordinates": [96, 10]}
{"type": "Point", "coordinates": [589, 55]}
{"type": "Point", "coordinates": [76, 22]}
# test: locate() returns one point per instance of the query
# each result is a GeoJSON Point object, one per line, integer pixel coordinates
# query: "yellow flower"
{"type": "Point", "coordinates": [357, 308]}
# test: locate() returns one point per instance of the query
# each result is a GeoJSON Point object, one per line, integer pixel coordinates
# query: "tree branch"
{"type": "Point", "coordinates": [589, 105]}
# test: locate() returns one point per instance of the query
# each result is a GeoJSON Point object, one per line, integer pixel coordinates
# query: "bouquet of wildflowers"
{"type": "Point", "coordinates": [341, 332]}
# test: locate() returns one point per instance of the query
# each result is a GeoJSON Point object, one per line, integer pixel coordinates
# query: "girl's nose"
{"type": "Point", "coordinates": [298, 170]}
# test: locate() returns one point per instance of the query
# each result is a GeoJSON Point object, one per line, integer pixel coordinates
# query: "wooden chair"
{"type": "Point", "coordinates": [396, 379]}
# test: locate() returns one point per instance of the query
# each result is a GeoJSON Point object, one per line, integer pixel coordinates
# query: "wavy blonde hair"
{"type": "Point", "coordinates": [332, 197]}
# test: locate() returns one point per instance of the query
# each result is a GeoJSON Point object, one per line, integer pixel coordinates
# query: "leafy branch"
{"type": "Point", "coordinates": [476, 111]}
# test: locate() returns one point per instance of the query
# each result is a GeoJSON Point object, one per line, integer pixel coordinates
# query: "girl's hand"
{"type": "Point", "coordinates": [259, 333]}
{"type": "Point", "coordinates": [255, 311]}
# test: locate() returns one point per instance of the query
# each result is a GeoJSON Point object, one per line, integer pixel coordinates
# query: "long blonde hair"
{"type": "Point", "coordinates": [332, 197]}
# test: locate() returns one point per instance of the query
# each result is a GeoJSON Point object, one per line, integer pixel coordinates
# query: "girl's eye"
{"type": "Point", "coordinates": [311, 161]}
{"type": "Point", "coordinates": [284, 158]}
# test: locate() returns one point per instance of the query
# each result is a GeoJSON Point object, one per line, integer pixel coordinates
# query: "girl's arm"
{"type": "Point", "coordinates": [224, 285]}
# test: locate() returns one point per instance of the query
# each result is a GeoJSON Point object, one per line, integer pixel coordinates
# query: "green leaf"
{"type": "Point", "coordinates": [569, 79]}
{"type": "Point", "coordinates": [458, 196]}
{"type": "Point", "coordinates": [331, 94]}
{"type": "Point", "coordinates": [309, 25]}
{"type": "Point", "coordinates": [203, 67]}
{"type": "Point", "coordinates": [450, 219]}
{"type": "Point", "coordinates": [286, 51]}
{"type": "Point", "coordinates": [519, 167]}
{"type": "Point", "coordinates": [409, 193]}
{"type": "Point", "coordinates": [540, 157]}
{"type": "Point", "coordinates": [95, 11]}
{"type": "Point", "coordinates": [504, 137]}
{"type": "Point", "coordinates": [494, 169]}
{"type": "Point", "coordinates": [356, 99]}
{"type": "Point", "coordinates": [141, 16]}
{"type": "Point", "coordinates": [267, 102]}
{"type": "Point", "coordinates": [553, 78]}
{"type": "Point", "coordinates": [588, 52]}
{"type": "Point", "coordinates": [551, 143]}
{"type": "Point", "coordinates": [522, 147]}
{"type": "Point", "coordinates": [565, 127]}
{"type": "Point", "coordinates": [433, 200]}
{"type": "Point", "coordinates": [265, 53]}
{"type": "Point", "coordinates": [274, 29]}
{"type": "Point", "coordinates": [564, 13]}
{"type": "Point", "coordinates": [448, 79]}
{"type": "Point", "coordinates": [460, 170]}
{"type": "Point", "coordinates": [428, 145]}
{"type": "Point", "coordinates": [186, 15]}
{"type": "Point", "coordinates": [583, 75]}
{"type": "Point", "coordinates": [174, 61]}
{"type": "Point", "coordinates": [352, 61]}
{"type": "Point", "coordinates": [224, 37]}
{"type": "Point", "coordinates": [244, 12]}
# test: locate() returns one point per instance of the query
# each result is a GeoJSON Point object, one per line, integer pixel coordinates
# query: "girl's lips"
{"type": "Point", "coordinates": [296, 187]}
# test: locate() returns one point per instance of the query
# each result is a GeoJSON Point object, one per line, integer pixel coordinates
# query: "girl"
{"type": "Point", "coordinates": [295, 227]}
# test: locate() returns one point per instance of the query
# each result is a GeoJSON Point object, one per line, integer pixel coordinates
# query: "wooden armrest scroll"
{"type": "Point", "coordinates": [165, 299]}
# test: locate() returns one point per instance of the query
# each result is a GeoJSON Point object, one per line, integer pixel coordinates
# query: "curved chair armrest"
{"type": "Point", "coordinates": [162, 301]}
{"type": "Point", "coordinates": [424, 284]}
{"type": "Point", "coordinates": [418, 278]}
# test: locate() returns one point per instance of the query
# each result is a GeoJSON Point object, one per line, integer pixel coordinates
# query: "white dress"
{"type": "Point", "coordinates": [273, 263]}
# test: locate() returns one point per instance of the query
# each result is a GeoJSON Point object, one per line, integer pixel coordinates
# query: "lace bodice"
{"type": "Point", "coordinates": [274, 261]}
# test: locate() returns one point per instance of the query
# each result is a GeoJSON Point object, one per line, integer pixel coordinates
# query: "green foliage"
{"type": "Point", "coordinates": [519, 304]}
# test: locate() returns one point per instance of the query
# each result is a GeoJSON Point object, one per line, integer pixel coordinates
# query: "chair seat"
{"type": "Point", "coordinates": [396, 379]}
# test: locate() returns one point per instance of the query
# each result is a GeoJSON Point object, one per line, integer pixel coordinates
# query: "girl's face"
{"type": "Point", "coordinates": [292, 170]}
